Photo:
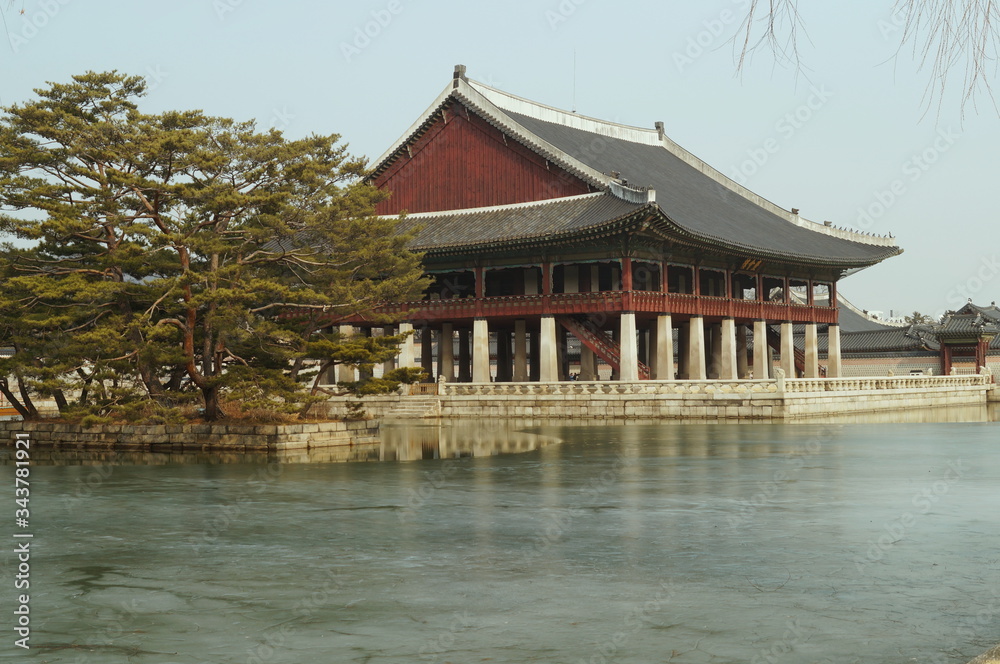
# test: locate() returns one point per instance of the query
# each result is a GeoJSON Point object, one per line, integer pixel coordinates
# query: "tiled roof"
{"type": "Point", "coordinates": [698, 203]}
{"type": "Point", "coordinates": [692, 199]}
{"type": "Point", "coordinates": [540, 221]}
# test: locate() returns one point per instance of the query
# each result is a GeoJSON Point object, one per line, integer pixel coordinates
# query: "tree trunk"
{"type": "Point", "coordinates": [211, 397]}
{"type": "Point", "coordinates": [26, 410]}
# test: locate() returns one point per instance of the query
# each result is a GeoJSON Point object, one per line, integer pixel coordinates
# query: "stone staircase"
{"type": "Point", "coordinates": [415, 408]}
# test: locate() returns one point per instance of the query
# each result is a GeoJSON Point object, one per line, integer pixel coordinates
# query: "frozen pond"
{"type": "Point", "coordinates": [687, 543]}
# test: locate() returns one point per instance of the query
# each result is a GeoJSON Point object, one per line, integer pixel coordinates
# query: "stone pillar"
{"type": "Point", "coordinates": [446, 353]}
{"type": "Point", "coordinates": [742, 362]}
{"type": "Point", "coordinates": [833, 366]}
{"type": "Point", "coordinates": [548, 360]}
{"type": "Point", "coordinates": [562, 355]}
{"type": "Point", "coordinates": [696, 349]}
{"type": "Point", "coordinates": [588, 364]}
{"type": "Point", "coordinates": [761, 364]}
{"type": "Point", "coordinates": [629, 371]}
{"type": "Point", "coordinates": [406, 358]}
{"type": "Point", "coordinates": [389, 364]}
{"type": "Point", "coordinates": [727, 364]}
{"type": "Point", "coordinates": [534, 356]}
{"type": "Point", "coordinates": [464, 357]}
{"type": "Point", "coordinates": [683, 350]}
{"type": "Point", "coordinates": [520, 351]}
{"type": "Point", "coordinates": [715, 350]}
{"type": "Point", "coordinates": [427, 352]}
{"type": "Point", "coordinates": [480, 351]}
{"type": "Point", "coordinates": [663, 349]}
{"type": "Point", "coordinates": [346, 374]}
{"type": "Point", "coordinates": [787, 350]}
{"type": "Point", "coordinates": [504, 356]}
{"type": "Point", "coordinates": [812, 351]}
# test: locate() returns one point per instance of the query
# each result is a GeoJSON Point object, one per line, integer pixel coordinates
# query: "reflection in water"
{"type": "Point", "coordinates": [689, 543]}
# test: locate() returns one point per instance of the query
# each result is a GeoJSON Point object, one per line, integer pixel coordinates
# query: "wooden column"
{"type": "Point", "coordinates": [534, 356]}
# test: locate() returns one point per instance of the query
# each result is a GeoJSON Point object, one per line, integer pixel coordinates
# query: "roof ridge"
{"type": "Point", "coordinates": [506, 101]}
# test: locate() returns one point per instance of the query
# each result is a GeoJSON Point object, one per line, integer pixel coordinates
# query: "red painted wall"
{"type": "Point", "coordinates": [461, 161]}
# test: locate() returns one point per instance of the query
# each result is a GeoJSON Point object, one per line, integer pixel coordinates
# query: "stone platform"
{"type": "Point", "coordinates": [778, 399]}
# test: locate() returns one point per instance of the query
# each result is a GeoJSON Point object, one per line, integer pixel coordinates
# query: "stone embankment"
{"type": "Point", "coordinates": [779, 399]}
{"type": "Point", "coordinates": [195, 437]}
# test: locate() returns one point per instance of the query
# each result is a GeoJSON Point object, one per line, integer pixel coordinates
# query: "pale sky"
{"type": "Point", "coordinates": [846, 141]}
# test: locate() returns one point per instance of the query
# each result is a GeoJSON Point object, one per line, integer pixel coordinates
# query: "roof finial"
{"type": "Point", "coordinates": [659, 129]}
{"type": "Point", "coordinates": [459, 74]}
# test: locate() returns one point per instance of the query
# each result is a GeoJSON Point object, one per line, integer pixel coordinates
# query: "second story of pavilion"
{"type": "Point", "coordinates": [524, 210]}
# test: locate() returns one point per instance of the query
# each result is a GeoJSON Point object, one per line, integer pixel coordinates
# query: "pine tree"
{"type": "Point", "coordinates": [167, 250]}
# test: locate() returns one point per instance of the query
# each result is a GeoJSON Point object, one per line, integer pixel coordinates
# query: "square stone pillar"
{"type": "Point", "coordinates": [629, 370]}
{"type": "Point", "coordinates": [480, 351]}
{"type": "Point", "coordinates": [346, 374]}
{"type": "Point", "coordinates": [787, 350]}
{"type": "Point", "coordinates": [696, 349]}
{"type": "Point", "coordinates": [833, 366]}
{"type": "Point", "coordinates": [464, 357]}
{"type": "Point", "coordinates": [742, 361]}
{"type": "Point", "coordinates": [663, 349]}
{"type": "Point", "coordinates": [761, 360]}
{"type": "Point", "coordinates": [588, 364]}
{"type": "Point", "coordinates": [713, 332]}
{"type": "Point", "coordinates": [520, 351]}
{"type": "Point", "coordinates": [727, 363]}
{"type": "Point", "coordinates": [812, 351]}
{"type": "Point", "coordinates": [683, 350]}
{"type": "Point", "coordinates": [389, 364]}
{"type": "Point", "coordinates": [406, 358]}
{"type": "Point", "coordinates": [427, 352]}
{"type": "Point", "coordinates": [446, 353]}
{"type": "Point", "coordinates": [548, 358]}
{"type": "Point", "coordinates": [505, 356]}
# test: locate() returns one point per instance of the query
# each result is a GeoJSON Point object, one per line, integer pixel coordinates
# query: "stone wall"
{"type": "Point", "coordinates": [781, 399]}
{"type": "Point", "coordinates": [195, 437]}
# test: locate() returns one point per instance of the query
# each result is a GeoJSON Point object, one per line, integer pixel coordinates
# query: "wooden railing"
{"type": "Point", "coordinates": [518, 306]}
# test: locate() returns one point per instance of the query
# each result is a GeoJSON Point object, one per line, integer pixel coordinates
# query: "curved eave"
{"type": "Point", "coordinates": [670, 229]}
{"type": "Point", "coordinates": [606, 228]}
